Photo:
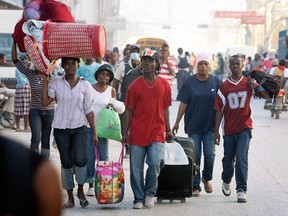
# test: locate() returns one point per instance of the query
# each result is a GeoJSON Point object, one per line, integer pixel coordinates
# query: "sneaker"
{"type": "Point", "coordinates": [226, 189]}
{"type": "Point", "coordinates": [138, 205]}
{"type": "Point", "coordinates": [195, 193]}
{"type": "Point", "coordinates": [207, 185]}
{"type": "Point", "coordinates": [149, 201]}
{"type": "Point", "coordinates": [90, 192]}
{"type": "Point", "coordinates": [241, 196]}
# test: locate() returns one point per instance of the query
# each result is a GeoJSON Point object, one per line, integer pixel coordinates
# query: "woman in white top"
{"type": "Point", "coordinates": [74, 111]}
{"type": "Point", "coordinates": [103, 95]}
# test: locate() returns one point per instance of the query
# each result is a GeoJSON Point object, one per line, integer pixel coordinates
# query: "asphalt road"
{"type": "Point", "coordinates": [268, 173]}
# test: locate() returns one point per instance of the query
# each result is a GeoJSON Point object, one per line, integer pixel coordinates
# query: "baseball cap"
{"type": "Point", "coordinates": [151, 53]}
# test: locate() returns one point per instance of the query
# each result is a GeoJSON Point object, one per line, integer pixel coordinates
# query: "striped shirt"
{"type": "Point", "coordinates": [36, 85]}
{"type": "Point", "coordinates": [164, 72]}
{"type": "Point", "coordinates": [72, 104]}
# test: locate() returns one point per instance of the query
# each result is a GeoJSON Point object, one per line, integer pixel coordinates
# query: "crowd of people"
{"type": "Point", "coordinates": [138, 85]}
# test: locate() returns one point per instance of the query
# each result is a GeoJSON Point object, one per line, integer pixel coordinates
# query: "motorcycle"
{"type": "Point", "coordinates": [7, 119]}
{"type": "Point", "coordinates": [277, 105]}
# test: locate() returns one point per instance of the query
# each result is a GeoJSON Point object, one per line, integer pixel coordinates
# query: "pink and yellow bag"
{"type": "Point", "coordinates": [109, 180]}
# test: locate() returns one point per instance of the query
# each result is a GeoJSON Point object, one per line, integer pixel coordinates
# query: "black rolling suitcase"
{"type": "Point", "coordinates": [175, 182]}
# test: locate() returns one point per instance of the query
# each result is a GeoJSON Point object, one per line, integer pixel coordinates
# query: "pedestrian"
{"type": "Point", "coordinates": [104, 95]}
{"type": "Point", "coordinates": [197, 97]}
{"type": "Point", "coordinates": [267, 63]}
{"type": "Point", "coordinates": [124, 66]}
{"type": "Point", "coordinates": [168, 65]}
{"type": "Point", "coordinates": [184, 63]}
{"type": "Point", "coordinates": [40, 117]}
{"type": "Point", "coordinates": [22, 97]}
{"type": "Point", "coordinates": [29, 182]}
{"type": "Point", "coordinates": [87, 70]}
{"type": "Point", "coordinates": [74, 109]}
{"type": "Point", "coordinates": [219, 72]}
{"type": "Point", "coordinates": [233, 105]}
{"type": "Point", "coordinates": [146, 128]}
{"type": "Point", "coordinates": [113, 60]}
{"type": "Point", "coordinates": [256, 62]}
{"type": "Point", "coordinates": [3, 60]}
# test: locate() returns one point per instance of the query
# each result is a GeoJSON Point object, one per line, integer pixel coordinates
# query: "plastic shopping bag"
{"type": "Point", "coordinates": [175, 154]}
{"type": "Point", "coordinates": [108, 124]}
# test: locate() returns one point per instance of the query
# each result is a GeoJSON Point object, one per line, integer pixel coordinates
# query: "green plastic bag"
{"type": "Point", "coordinates": [108, 124]}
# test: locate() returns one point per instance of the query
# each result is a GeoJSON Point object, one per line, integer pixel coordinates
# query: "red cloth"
{"type": "Point", "coordinates": [51, 9]}
{"type": "Point", "coordinates": [147, 105]}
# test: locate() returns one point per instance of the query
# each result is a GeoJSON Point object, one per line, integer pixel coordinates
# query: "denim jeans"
{"type": "Point", "coordinates": [182, 75]}
{"type": "Point", "coordinates": [103, 154]}
{"type": "Point", "coordinates": [236, 147]}
{"type": "Point", "coordinates": [72, 144]}
{"type": "Point", "coordinates": [40, 123]}
{"type": "Point", "coordinates": [205, 141]}
{"type": "Point", "coordinates": [154, 155]}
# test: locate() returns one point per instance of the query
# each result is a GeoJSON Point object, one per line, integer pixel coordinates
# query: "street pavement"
{"type": "Point", "coordinates": [268, 172]}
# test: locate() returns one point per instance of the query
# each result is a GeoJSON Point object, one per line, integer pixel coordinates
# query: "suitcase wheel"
{"type": "Point", "coordinates": [159, 200]}
{"type": "Point", "coordinates": [183, 200]}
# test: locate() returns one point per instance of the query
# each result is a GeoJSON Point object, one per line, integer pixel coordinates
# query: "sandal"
{"type": "Point", "coordinates": [83, 201]}
{"type": "Point", "coordinates": [69, 204]}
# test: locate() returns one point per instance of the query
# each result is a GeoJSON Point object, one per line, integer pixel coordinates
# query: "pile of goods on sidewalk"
{"type": "Point", "coordinates": [47, 31]}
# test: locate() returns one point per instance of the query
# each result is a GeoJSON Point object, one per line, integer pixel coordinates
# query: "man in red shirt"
{"type": "Point", "coordinates": [147, 126]}
{"type": "Point", "coordinates": [233, 104]}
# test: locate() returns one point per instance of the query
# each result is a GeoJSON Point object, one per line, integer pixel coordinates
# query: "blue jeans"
{"type": "Point", "coordinates": [103, 154]}
{"type": "Point", "coordinates": [154, 155]}
{"type": "Point", "coordinates": [72, 144]}
{"type": "Point", "coordinates": [40, 123]}
{"type": "Point", "coordinates": [205, 140]}
{"type": "Point", "coordinates": [182, 75]}
{"type": "Point", "coordinates": [236, 147]}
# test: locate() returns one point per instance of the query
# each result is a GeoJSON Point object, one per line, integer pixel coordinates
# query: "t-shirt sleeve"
{"type": "Point", "coordinates": [183, 94]}
{"type": "Point", "coordinates": [219, 100]}
{"type": "Point", "coordinates": [168, 97]}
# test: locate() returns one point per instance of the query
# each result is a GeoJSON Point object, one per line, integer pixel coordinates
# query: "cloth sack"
{"type": "Point", "coordinates": [175, 154]}
{"type": "Point", "coordinates": [109, 180]}
{"type": "Point", "coordinates": [108, 124]}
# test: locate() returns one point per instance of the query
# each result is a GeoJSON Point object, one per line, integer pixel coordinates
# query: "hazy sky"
{"type": "Point", "coordinates": [183, 17]}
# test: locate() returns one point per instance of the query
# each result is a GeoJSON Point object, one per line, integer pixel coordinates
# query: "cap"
{"type": "Point", "coordinates": [151, 53]}
{"type": "Point", "coordinates": [26, 26]}
{"type": "Point", "coordinates": [105, 67]}
{"type": "Point", "coordinates": [135, 56]}
{"type": "Point", "coordinates": [135, 46]}
{"type": "Point", "coordinates": [203, 57]}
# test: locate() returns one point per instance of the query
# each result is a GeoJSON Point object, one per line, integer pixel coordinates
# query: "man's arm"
{"type": "Point", "coordinates": [169, 134]}
{"type": "Point", "coordinates": [218, 119]}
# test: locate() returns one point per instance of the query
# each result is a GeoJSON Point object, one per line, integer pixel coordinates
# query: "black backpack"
{"type": "Point", "coordinates": [271, 83]}
{"type": "Point", "coordinates": [183, 63]}
{"type": "Point", "coordinates": [129, 77]}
